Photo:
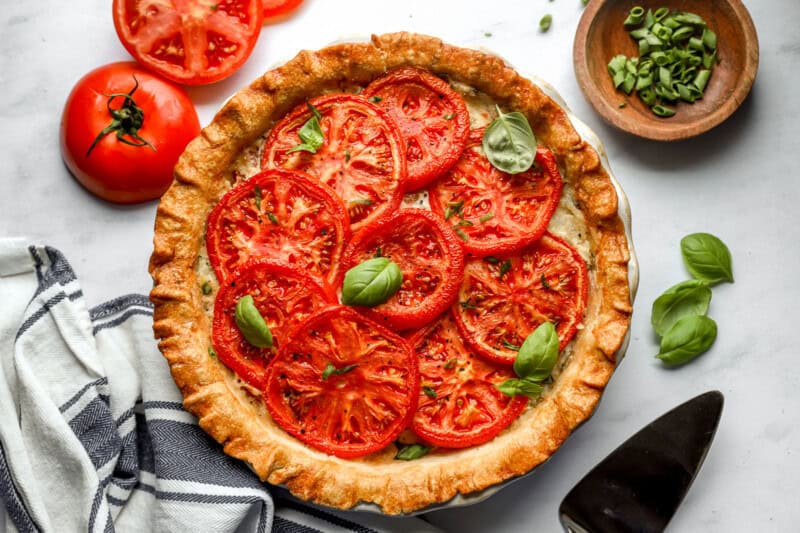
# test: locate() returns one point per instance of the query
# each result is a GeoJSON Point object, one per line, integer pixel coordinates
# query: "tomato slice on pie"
{"type": "Point", "coordinates": [429, 256]}
{"type": "Point", "coordinates": [432, 118]}
{"type": "Point", "coordinates": [459, 404]}
{"type": "Point", "coordinates": [503, 299]}
{"type": "Point", "coordinates": [343, 384]}
{"type": "Point", "coordinates": [361, 156]}
{"type": "Point", "coordinates": [495, 212]}
{"type": "Point", "coordinates": [282, 215]}
{"type": "Point", "coordinates": [283, 295]}
{"type": "Point", "coordinates": [189, 41]}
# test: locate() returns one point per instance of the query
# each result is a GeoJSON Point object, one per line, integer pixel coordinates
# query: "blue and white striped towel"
{"type": "Point", "coordinates": [93, 433]}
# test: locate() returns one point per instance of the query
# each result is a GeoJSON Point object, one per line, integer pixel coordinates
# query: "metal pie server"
{"type": "Point", "coordinates": [640, 485]}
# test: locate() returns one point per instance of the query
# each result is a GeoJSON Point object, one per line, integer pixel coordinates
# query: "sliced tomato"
{"type": "Point", "coordinates": [503, 299]}
{"type": "Point", "coordinates": [274, 9]}
{"type": "Point", "coordinates": [496, 212]}
{"type": "Point", "coordinates": [343, 384]}
{"type": "Point", "coordinates": [429, 256]}
{"type": "Point", "coordinates": [189, 41]}
{"type": "Point", "coordinates": [361, 158]}
{"type": "Point", "coordinates": [432, 118]}
{"type": "Point", "coordinates": [282, 294]}
{"type": "Point", "coordinates": [459, 404]}
{"type": "Point", "coordinates": [282, 215]}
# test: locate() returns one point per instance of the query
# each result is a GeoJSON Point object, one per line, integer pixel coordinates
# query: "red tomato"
{"type": "Point", "coordinates": [361, 158]}
{"type": "Point", "coordinates": [503, 299]}
{"type": "Point", "coordinates": [343, 384]}
{"type": "Point", "coordinates": [279, 8]}
{"type": "Point", "coordinates": [283, 215]}
{"type": "Point", "coordinates": [189, 41]}
{"type": "Point", "coordinates": [283, 295]}
{"type": "Point", "coordinates": [428, 254]}
{"type": "Point", "coordinates": [147, 123]}
{"type": "Point", "coordinates": [433, 120]}
{"type": "Point", "coordinates": [497, 212]}
{"type": "Point", "coordinates": [459, 404]}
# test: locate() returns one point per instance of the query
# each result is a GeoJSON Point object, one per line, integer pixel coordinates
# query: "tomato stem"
{"type": "Point", "coordinates": [126, 121]}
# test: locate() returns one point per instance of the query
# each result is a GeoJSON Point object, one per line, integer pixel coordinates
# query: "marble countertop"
{"type": "Point", "coordinates": [739, 182]}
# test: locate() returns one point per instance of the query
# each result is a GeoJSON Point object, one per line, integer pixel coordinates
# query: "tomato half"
{"type": "Point", "coordinates": [279, 8]}
{"type": "Point", "coordinates": [189, 41]}
{"type": "Point", "coordinates": [282, 215]}
{"type": "Point", "coordinates": [503, 299]}
{"type": "Point", "coordinates": [459, 404]}
{"type": "Point", "coordinates": [343, 384]}
{"type": "Point", "coordinates": [432, 118]}
{"type": "Point", "coordinates": [123, 130]}
{"type": "Point", "coordinates": [361, 158]}
{"type": "Point", "coordinates": [497, 212]}
{"type": "Point", "coordinates": [428, 254]}
{"type": "Point", "coordinates": [283, 295]}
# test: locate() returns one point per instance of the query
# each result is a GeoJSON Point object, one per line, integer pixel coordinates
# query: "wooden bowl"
{"type": "Point", "coordinates": [601, 35]}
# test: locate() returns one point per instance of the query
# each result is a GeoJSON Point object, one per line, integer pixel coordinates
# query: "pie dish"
{"type": "Point", "coordinates": [232, 412]}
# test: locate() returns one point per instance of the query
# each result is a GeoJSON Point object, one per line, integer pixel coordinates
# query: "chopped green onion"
{"type": "Point", "coordinates": [635, 17]}
{"type": "Point", "coordinates": [545, 23]}
{"type": "Point", "coordinates": [662, 111]}
{"type": "Point", "coordinates": [701, 80]}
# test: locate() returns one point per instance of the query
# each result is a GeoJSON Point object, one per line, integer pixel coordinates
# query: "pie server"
{"type": "Point", "coordinates": [639, 486]}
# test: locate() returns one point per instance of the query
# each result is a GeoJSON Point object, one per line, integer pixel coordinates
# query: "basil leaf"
{"type": "Point", "coordinates": [409, 453]}
{"type": "Point", "coordinates": [509, 143]}
{"type": "Point", "coordinates": [688, 338]}
{"type": "Point", "coordinates": [331, 370]}
{"type": "Point", "coordinates": [687, 298]}
{"type": "Point", "coordinates": [311, 134]}
{"type": "Point", "coordinates": [252, 324]}
{"type": "Point", "coordinates": [520, 387]}
{"type": "Point", "coordinates": [538, 354]}
{"type": "Point", "coordinates": [372, 282]}
{"type": "Point", "coordinates": [707, 258]}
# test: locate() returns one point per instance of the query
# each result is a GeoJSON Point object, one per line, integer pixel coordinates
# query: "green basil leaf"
{"type": "Point", "coordinates": [707, 258]}
{"type": "Point", "coordinates": [688, 338]}
{"type": "Point", "coordinates": [509, 143]}
{"type": "Point", "coordinates": [331, 370]}
{"type": "Point", "coordinates": [372, 282]}
{"type": "Point", "coordinates": [409, 453]}
{"type": "Point", "coordinates": [252, 324]}
{"type": "Point", "coordinates": [538, 354]}
{"type": "Point", "coordinates": [687, 298]}
{"type": "Point", "coordinates": [311, 134]}
{"type": "Point", "coordinates": [520, 387]}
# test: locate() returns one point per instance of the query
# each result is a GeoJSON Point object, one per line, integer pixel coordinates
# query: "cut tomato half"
{"type": "Point", "coordinates": [459, 404]}
{"type": "Point", "coordinates": [281, 215]}
{"type": "Point", "coordinates": [503, 299]}
{"type": "Point", "coordinates": [361, 158]}
{"type": "Point", "coordinates": [429, 256]}
{"type": "Point", "coordinates": [343, 384]}
{"type": "Point", "coordinates": [432, 118]}
{"type": "Point", "coordinates": [189, 41]}
{"type": "Point", "coordinates": [495, 212]}
{"type": "Point", "coordinates": [283, 296]}
{"type": "Point", "coordinates": [274, 9]}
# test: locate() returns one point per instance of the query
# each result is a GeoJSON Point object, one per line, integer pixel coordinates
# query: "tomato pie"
{"type": "Point", "coordinates": [355, 256]}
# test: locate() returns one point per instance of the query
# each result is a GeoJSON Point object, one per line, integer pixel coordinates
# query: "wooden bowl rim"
{"type": "Point", "coordinates": [665, 131]}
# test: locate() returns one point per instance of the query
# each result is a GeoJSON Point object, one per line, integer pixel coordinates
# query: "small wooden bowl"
{"type": "Point", "coordinates": [601, 35]}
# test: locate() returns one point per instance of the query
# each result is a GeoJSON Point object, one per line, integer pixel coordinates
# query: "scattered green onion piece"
{"type": "Point", "coordinates": [628, 83]}
{"type": "Point", "coordinates": [617, 64]}
{"type": "Point", "coordinates": [696, 43]}
{"type": "Point", "coordinates": [662, 111]}
{"type": "Point", "coordinates": [635, 16]}
{"type": "Point", "coordinates": [671, 23]}
{"type": "Point", "coordinates": [648, 96]}
{"type": "Point", "coordinates": [641, 33]}
{"type": "Point", "coordinates": [708, 59]}
{"type": "Point", "coordinates": [660, 58]}
{"type": "Point", "coordinates": [682, 33]}
{"type": "Point", "coordinates": [660, 13]}
{"type": "Point", "coordinates": [684, 92]}
{"type": "Point", "coordinates": [545, 22]}
{"type": "Point", "coordinates": [664, 76]}
{"type": "Point", "coordinates": [643, 82]}
{"type": "Point", "coordinates": [649, 20]}
{"type": "Point", "coordinates": [701, 80]}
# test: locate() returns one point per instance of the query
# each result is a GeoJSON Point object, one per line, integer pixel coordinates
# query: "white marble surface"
{"type": "Point", "coordinates": [739, 181]}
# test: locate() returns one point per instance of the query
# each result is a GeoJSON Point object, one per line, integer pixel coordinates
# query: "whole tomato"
{"type": "Point", "coordinates": [123, 130]}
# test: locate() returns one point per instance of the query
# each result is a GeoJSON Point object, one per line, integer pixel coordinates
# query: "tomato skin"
{"type": "Point", "coordinates": [282, 294]}
{"type": "Point", "coordinates": [193, 42]}
{"type": "Point", "coordinates": [506, 308]}
{"type": "Point", "coordinates": [274, 9]}
{"type": "Point", "coordinates": [354, 413]}
{"type": "Point", "coordinates": [116, 171]}
{"type": "Point", "coordinates": [428, 253]}
{"type": "Point", "coordinates": [504, 212]}
{"type": "Point", "coordinates": [433, 120]}
{"type": "Point", "coordinates": [459, 405]}
{"type": "Point", "coordinates": [361, 158]}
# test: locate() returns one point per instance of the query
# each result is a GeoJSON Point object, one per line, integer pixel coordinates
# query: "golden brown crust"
{"type": "Point", "coordinates": [238, 421]}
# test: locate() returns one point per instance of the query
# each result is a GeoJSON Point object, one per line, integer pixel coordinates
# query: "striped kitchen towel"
{"type": "Point", "coordinates": [93, 435]}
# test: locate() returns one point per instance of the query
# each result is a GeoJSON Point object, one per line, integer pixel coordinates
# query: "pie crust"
{"type": "Point", "coordinates": [236, 417]}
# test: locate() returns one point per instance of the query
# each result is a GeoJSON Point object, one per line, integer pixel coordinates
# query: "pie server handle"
{"type": "Point", "coordinates": [640, 485]}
